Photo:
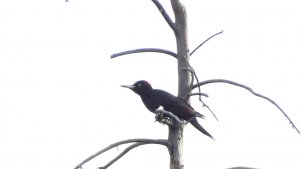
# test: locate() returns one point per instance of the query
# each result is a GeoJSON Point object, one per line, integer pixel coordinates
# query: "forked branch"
{"type": "Point", "coordinates": [121, 155]}
{"type": "Point", "coordinates": [250, 90]}
{"type": "Point", "coordinates": [156, 50]}
{"type": "Point", "coordinates": [161, 115]}
{"type": "Point", "coordinates": [137, 142]}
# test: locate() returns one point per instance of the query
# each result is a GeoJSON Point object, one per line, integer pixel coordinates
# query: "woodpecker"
{"type": "Point", "coordinates": [154, 98]}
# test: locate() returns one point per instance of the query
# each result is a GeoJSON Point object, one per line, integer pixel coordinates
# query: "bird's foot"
{"type": "Point", "coordinates": [159, 116]}
{"type": "Point", "coordinates": [163, 118]}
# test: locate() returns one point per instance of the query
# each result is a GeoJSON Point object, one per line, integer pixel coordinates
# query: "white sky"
{"type": "Point", "coordinates": [60, 99]}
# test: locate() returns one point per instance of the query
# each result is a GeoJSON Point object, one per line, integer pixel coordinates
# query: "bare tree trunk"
{"type": "Point", "coordinates": [181, 34]}
{"type": "Point", "coordinates": [184, 81]}
{"type": "Point", "coordinates": [176, 144]}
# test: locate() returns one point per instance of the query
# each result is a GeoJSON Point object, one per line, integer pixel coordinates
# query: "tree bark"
{"type": "Point", "coordinates": [176, 144]}
{"type": "Point", "coordinates": [184, 81]}
{"type": "Point", "coordinates": [181, 34]}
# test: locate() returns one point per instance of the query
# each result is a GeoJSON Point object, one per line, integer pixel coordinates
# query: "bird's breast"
{"type": "Point", "coordinates": [150, 103]}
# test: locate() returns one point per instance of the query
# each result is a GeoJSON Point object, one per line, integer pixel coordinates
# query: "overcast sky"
{"type": "Point", "coordinates": [60, 94]}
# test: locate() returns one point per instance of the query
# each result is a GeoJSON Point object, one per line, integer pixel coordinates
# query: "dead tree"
{"type": "Point", "coordinates": [186, 78]}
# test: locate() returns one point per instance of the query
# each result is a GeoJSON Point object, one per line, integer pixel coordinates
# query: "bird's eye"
{"type": "Point", "coordinates": [139, 85]}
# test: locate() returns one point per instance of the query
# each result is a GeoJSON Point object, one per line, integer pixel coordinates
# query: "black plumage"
{"type": "Point", "coordinates": [154, 98]}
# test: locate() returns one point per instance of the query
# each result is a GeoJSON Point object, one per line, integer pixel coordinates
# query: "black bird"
{"type": "Point", "coordinates": [154, 98]}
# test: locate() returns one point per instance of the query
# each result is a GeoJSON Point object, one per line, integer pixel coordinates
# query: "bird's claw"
{"type": "Point", "coordinates": [161, 117]}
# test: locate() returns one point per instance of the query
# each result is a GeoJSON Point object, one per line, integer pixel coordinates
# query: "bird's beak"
{"type": "Point", "coordinates": [128, 86]}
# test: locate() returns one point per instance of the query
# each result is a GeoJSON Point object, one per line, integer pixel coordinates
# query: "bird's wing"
{"type": "Point", "coordinates": [193, 112]}
{"type": "Point", "coordinates": [175, 105]}
{"type": "Point", "coordinates": [185, 102]}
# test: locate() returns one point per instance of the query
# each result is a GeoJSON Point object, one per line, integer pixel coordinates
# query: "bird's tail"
{"type": "Point", "coordinates": [195, 123]}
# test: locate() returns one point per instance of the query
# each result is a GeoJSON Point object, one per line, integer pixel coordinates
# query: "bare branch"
{"type": "Point", "coordinates": [144, 141]}
{"type": "Point", "coordinates": [250, 90]}
{"type": "Point", "coordinates": [199, 90]}
{"type": "Point", "coordinates": [205, 42]}
{"type": "Point", "coordinates": [197, 94]}
{"type": "Point", "coordinates": [192, 81]}
{"type": "Point", "coordinates": [122, 154]}
{"type": "Point", "coordinates": [157, 50]}
{"type": "Point", "coordinates": [205, 105]}
{"type": "Point", "coordinates": [165, 14]}
{"type": "Point", "coordinates": [160, 115]}
{"type": "Point", "coordinates": [192, 70]}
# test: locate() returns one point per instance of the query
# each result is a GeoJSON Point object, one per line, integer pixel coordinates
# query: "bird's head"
{"type": "Point", "coordinates": [141, 87]}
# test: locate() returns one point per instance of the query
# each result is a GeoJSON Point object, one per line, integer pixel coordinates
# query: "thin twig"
{"type": "Point", "coordinates": [145, 141]}
{"type": "Point", "coordinates": [165, 14]}
{"type": "Point", "coordinates": [197, 94]}
{"type": "Point", "coordinates": [204, 42]}
{"type": "Point", "coordinates": [192, 70]}
{"type": "Point", "coordinates": [250, 90]}
{"type": "Point", "coordinates": [205, 105]}
{"type": "Point", "coordinates": [157, 50]}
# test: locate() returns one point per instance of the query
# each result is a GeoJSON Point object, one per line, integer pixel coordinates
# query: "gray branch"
{"type": "Point", "coordinates": [160, 114]}
{"type": "Point", "coordinates": [205, 42]}
{"type": "Point", "coordinates": [250, 90]}
{"type": "Point", "coordinates": [204, 104]}
{"type": "Point", "coordinates": [197, 94]}
{"type": "Point", "coordinates": [140, 141]}
{"type": "Point", "coordinates": [157, 50]}
{"type": "Point", "coordinates": [123, 153]}
{"type": "Point", "coordinates": [165, 14]}
{"type": "Point", "coordinates": [192, 81]}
